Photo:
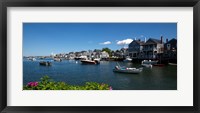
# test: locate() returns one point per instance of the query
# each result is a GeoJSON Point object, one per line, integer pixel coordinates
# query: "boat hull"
{"type": "Point", "coordinates": [159, 65]}
{"type": "Point", "coordinates": [149, 62]}
{"type": "Point", "coordinates": [147, 65]}
{"type": "Point", "coordinates": [45, 63]}
{"type": "Point", "coordinates": [89, 62]}
{"type": "Point", "coordinates": [135, 71]}
{"type": "Point", "coordinates": [58, 60]}
{"type": "Point", "coordinates": [172, 64]}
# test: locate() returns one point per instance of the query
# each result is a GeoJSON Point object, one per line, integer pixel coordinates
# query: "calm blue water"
{"type": "Point", "coordinates": [75, 73]}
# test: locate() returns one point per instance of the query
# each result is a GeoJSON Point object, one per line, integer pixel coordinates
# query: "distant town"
{"type": "Point", "coordinates": [137, 50]}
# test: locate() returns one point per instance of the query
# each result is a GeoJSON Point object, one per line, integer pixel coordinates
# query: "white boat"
{"type": "Point", "coordinates": [81, 58]}
{"type": "Point", "coordinates": [149, 62]}
{"type": "Point", "coordinates": [127, 70]}
{"type": "Point", "coordinates": [90, 61]}
{"type": "Point", "coordinates": [32, 59]}
{"type": "Point", "coordinates": [147, 65]}
{"type": "Point", "coordinates": [173, 64]}
{"type": "Point", "coordinates": [128, 59]}
{"type": "Point", "coordinates": [57, 59]}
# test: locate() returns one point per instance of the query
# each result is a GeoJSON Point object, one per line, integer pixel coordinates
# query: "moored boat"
{"type": "Point", "coordinates": [127, 70]}
{"type": "Point", "coordinates": [32, 59]}
{"type": "Point", "coordinates": [160, 65]}
{"type": "Point", "coordinates": [128, 59]}
{"type": "Point", "coordinates": [77, 58]}
{"type": "Point", "coordinates": [81, 58]}
{"type": "Point", "coordinates": [149, 62]}
{"type": "Point", "coordinates": [43, 63]}
{"type": "Point", "coordinates": [172, 64]}
{"type": "Point", "coordinates": [147, 65]}
{"type": "Point", "coordinates": [57, 59]}
{"type": "Point", "coordinates": [90, 61]}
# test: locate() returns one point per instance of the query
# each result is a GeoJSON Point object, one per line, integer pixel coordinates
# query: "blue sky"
{"type": "Point", "coordinates": [45, 38]}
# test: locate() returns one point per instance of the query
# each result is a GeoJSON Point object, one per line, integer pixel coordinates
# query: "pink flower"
{"type": "Point", "coordinates": [110, 88]}
{"type": "Point", "coordinates": [32, 84]}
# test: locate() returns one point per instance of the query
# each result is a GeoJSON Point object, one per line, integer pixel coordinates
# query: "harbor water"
{"type": "Point", "coordinates": [75, 73]}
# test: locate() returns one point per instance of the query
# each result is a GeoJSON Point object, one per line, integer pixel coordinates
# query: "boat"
{"type": "Point", "coordinates": [43, 63]}
{"type": "Point", "coordinates": [77, 58]}
{"type": "Point", "coordinates": [128, 59]}
{"type": "Point", "coordinates": [32, 59]}
{"type": "Point", "coordinates": [172, 64]}
{"type": "Point", "coordinates": [149, 62]}
{"type": "Point", "coordinates": [57, 59]}
{"type": "Point", "coordinates": [97, 59]}
{"type": "Point", "coordinates": [147, 65]}
{"type": "Point", "coordinates": [160, 65]}
{"type": "Point", "coordinates": [81, 58]}
{"type": "Point", "coordinates": [127, 70]}
{"type": "Point", "coordinates": [90, 61]}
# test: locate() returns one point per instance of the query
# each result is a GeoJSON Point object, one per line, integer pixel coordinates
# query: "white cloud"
{"type": "Point", "coordinates": [105, 43]}
{"type": "Point", "coordinates": [124, 42]}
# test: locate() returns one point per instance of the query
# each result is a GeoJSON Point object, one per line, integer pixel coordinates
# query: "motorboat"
{"type": "Point", "coordinates": [32, 59]}
{"type": "Point", "coordinates": [90, 61]}
{"type": "Point", "coordinates": [81, 58]}
{"type": "Point", "coordinates": [147, 65]}
{"type": "Point", "coordinates": [57, 59]}
{"type": "Point", "coordinates": [128, 59]}
{"type": "Point", "coordinates": [97, 59]}
{"type": "Point", "coordinates": [127, 70]}
{"type": "Point", "coordinates": [149, 62]}
{"type": "Point", "coordinates": [172, 64]}
{"type": "Point", "coordinates": [77, 58]}
{"type": "Point", "coordinates": [43, 63]}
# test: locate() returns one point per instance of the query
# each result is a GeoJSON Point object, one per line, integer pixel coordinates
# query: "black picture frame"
{"type": "Point", "coordinates": [99, 3]}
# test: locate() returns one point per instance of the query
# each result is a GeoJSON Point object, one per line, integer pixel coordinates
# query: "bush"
{"type": "Point", "coordinates": [47, 84]}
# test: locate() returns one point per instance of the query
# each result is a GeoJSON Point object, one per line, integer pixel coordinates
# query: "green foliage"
{"type": "Point", "coordinates": [47, 84]}
{"type": "Point", "coordinates": [107, 50]}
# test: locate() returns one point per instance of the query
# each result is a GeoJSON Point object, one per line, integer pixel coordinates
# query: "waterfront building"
{"type": "Point", "coordinates": [104, 54]}
{"type": "Point", "coordinates": [170, 49]}
{"type": "Point", "coordinates": [153, 48]}
{"type": "Point", "coordinates": [124, 52]}
{"type": "Point", "coordinates": [150, 49]}
{"type": "Point", "coordinates": [118, 54]}
{"type": "Point", "coordinates": [60, 55]}
{"type": "Point", "coordinates": [66, 55]}
{"type": "Point", "coordinates": [71, 55]}
{"type": "Point", "coordinates": [97, 53]}
{"type": "Point", "coordinates": [78, 54]}
{"type": "Point", "coordinates": [84, 53]}
{"type": "Point", "coordinates": [135, 49]}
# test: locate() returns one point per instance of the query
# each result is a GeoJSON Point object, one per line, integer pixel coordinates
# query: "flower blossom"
{"type": "Point", "coordinates": [110, 88]}
{"type": "Point", "coordinates": [32, 84]}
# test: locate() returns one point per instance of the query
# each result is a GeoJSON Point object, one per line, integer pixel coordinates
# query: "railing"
{"type": "Point", "coordinates": [149, 49]}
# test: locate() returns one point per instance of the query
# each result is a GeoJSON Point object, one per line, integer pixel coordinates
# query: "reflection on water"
{"type": "Point", "coordinates": [75, 73]}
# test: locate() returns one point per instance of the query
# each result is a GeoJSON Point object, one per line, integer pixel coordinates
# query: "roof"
{"type": "Point", "coordinates": [152, 41]}
{"type": "Point", "coordinates": [138, 42]}
{"type": "Point", "coordinates": [171, 40]}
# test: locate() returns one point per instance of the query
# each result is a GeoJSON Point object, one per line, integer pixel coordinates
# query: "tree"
{"type": "Point", "coordinates": [117, 51]}
{"type": "Point", "coordinates": [97, 50]}
{"type": "Point", "coordinates": [107, 50]}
